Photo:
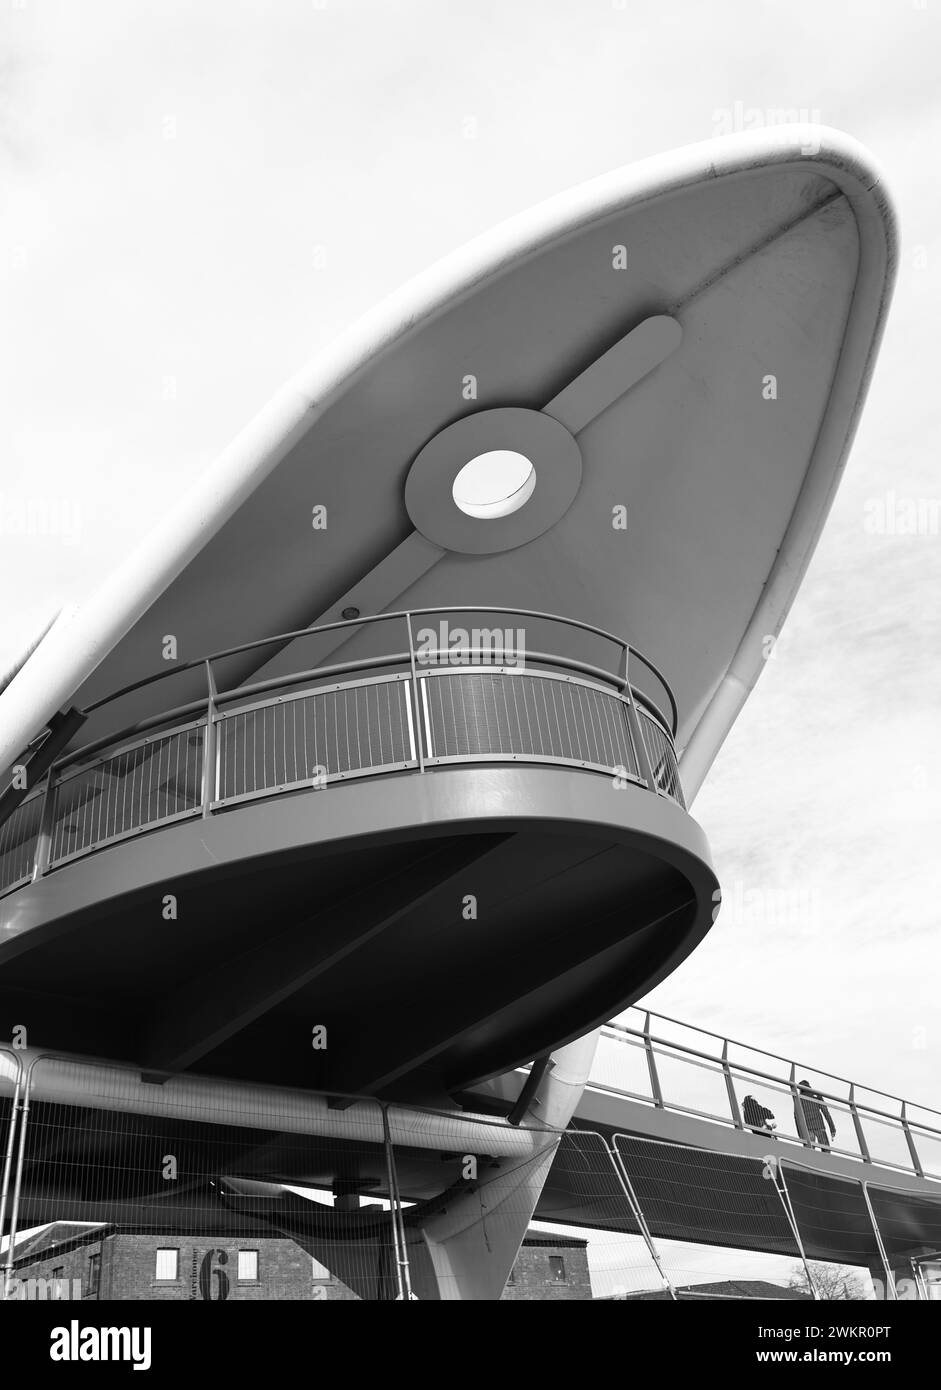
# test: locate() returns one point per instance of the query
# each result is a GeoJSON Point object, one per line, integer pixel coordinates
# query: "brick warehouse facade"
{"type": "Point", "coordinates": [549, 1267]}
{"type": "Point", "coordinates": [106, 1263]}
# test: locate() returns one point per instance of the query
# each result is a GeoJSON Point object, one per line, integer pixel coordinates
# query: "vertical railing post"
{"type": "Point", "coordinates": [777, 1171]}
{"type": "Point", "coordinates": [910, 1141]}
{"type": "Point", "coordinates": [621, 1173]}
{"type": "Point", "coordinates": [8, 1168]}
{"type": "Point", "coordinates": [413, 696]}
{"type": "Point", "coordinates": [644, 765]}
{"type": "Point", "coordinates": [858, 1126]}
{"type": "Point", "coordinates": [891, 1292]}
{"type": "Point", "coordinates": [18, 1181]}
{"type": "Point", "coordinates": [920, 1282]}
{"type": "Point", "coordinates": [729, 1086]}
{"type": "Point", "coordinates": [652, 1065]}
{"type": "Point", "coordinates": [43, 852]}
{"type": "Point", "coordinates": [622, 675]}
{"type": "Point", "coordinates": [210, 790]}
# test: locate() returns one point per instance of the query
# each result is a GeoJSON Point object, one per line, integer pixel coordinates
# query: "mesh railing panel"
{"type": "Point", "coordinates": [717, 1221]}
{"type": "Point", "coordinates": [909, 1226]}
{"type": "Point", "coordinates": [586, 1196]}
{"type": "Point", "coordinates": [662, 756]}
{"type": "Point", "coordinates": [835, 1228]}
{"type": "Point", "coordinates": [329, 734]}
{"type": "Point", "coordinates": [142, 786]}
{"type": "Point", "coordinates": [687, 1194]}
{"type": "Point", "coordinates": [494, 715]}
{"type": "Point", "coordinates": [322, 735]}
{"type": "Point", "coordinates": [369, 725]}
{"type": "Point", "coordinates": [18, 837]}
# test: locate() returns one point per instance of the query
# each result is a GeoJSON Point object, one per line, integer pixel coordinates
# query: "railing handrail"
{"type": "Point", "coordinates": [764, 1052]}
{"type": "Point", "coordinates": [645, 744]}
{"type": "Point", "coordinates": [400, 614]}
{"type": "Point", "coordinates": [722, 1061]}
{"type": "Point", "coordinates": [227, 696]}
{"type": "Point", "coordinates": [114, 739]}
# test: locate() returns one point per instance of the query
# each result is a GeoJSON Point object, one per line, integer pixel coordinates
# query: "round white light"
{"type": "Point", "coordinates": [494, 484]}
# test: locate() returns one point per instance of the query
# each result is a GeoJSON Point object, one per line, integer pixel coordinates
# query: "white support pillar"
{"type": "Point", "coordinates": [468, 1251]}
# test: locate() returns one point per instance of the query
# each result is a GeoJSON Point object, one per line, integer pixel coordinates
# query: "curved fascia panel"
{"type": "Point", "coordinates": [830, 188]}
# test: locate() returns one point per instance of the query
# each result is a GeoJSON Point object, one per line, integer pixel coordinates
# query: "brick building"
{"type": "Point", "coordinates": [549, 1267]}
{"type": "Point", "coordinates": [104, 1262]}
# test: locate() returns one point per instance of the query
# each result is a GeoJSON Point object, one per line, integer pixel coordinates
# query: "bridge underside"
{"type": "Point", "coordinates": [729, 1200]}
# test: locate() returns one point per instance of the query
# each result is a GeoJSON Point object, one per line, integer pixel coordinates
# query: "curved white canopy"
{"type": "Point", "coordinates": [722, 307]}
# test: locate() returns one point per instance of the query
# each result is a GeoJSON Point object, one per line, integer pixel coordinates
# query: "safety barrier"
{"type": "Point", "coordinates": [691, 1071]}
{"type": "Point", "coordinates": [165, 1168]}
{"type": "Point", "coordinates": [493, 695]}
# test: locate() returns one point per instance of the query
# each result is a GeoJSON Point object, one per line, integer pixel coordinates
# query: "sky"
{"type": "Point", "coordinates": [196, 197]}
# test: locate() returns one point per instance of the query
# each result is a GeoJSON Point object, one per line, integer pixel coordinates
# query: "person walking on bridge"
{"type": "Point", "coordinates": [757, 1116]}
{"type": "Point", "coordinates": [811, 1105]}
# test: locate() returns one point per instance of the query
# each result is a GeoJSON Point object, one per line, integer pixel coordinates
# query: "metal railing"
{"type": "Point", "coordinates": [492, 695]}
{"type": "Point", "coordinates": [692, 1071]}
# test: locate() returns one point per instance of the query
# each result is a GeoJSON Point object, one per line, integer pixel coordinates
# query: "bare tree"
{"type": "Point", "coordinates": [830, 1281]}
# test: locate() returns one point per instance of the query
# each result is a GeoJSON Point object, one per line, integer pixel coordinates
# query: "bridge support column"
{"type": "Point", "coordinates": [467, 1250]}
{"type": "Point", "coordinates": [464, 1246]}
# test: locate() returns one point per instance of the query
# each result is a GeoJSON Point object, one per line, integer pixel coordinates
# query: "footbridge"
{"type": "Point", "coordinates": [669, 1101]}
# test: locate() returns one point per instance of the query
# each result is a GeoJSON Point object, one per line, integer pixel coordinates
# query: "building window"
{"type": "Point", "coordinates": [319, 1271]}
{"type": "Point", "coordinates": [59, 1272]}
{"type": "Point", "coordinates": [557, 1269]}
{"type": "Point", "coordinates": [167, 1264]}
{"type": "Point", "coordinates": [94, 1274]}
{"type": "Point", "coordinates": [248, 1266]}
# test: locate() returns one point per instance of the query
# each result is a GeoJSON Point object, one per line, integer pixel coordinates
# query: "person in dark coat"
{"type": "Point", "coordinates": [757, 1116]}
{"type": "Point", "coordinates": [816, 1116]}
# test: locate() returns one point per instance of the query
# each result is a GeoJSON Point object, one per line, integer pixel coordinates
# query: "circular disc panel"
{"type": "Point", "coordinates": [429, 488]}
